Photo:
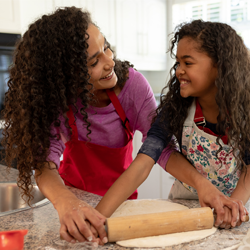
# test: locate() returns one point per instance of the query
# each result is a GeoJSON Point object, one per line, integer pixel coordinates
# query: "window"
{"type": "Point", "coordinates": [239, 11]}
{"type": "Point", "coordinates": [236, 13]}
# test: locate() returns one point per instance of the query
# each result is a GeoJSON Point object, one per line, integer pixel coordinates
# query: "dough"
{"type": "Point", "coordinates": [134, 207]}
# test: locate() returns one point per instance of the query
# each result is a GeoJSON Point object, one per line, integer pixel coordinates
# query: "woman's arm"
{"type": "Point", "coordinates": [209, 195]}
{"type": "Point", "coordinates": [126, 184]}
{"type": "Point", "coordinates": [72, 211]}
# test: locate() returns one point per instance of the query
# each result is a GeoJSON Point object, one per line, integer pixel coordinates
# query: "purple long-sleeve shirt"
{"type": "Point", "coordinates": [138, 102]}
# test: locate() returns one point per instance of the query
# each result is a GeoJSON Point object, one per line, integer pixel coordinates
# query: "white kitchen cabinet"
{"type": "Point", "coordinates": [158, 183]}
{"type": "Point", "coordinates": [141, 33]}
{"type": "Point", "coordinates": [136, 29]}
{"type": "Point", "coordinates": [102, 13]}
{"type": "Point", "coordinates": [31, 10]}
{"type": "Point", "coordinates": [10, 16]}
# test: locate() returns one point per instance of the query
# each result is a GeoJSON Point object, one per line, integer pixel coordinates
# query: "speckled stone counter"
{"type": "Point", "coordinates": [43, 225]}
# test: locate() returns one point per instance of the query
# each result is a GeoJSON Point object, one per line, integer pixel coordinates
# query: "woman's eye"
{"type": "Point", "coordinates": [94, 64]}
{"type": "Point", "coordinates": [106, 47]}
{"type": "Point", "coordinates": [188, 63]}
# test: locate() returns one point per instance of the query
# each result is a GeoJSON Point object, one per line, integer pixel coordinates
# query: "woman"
{"type": "Point", "coordinates": [59, 101]}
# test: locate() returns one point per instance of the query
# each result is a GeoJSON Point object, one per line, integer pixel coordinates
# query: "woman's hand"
{"type": "Point", "coordinates": [73, 213]}
{"type": "Point", "coordinates": [229, 210]}
{"type": "Point", "coordinates": [75, 217]}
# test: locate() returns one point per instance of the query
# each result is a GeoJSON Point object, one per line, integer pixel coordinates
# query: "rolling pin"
{"type": "Point", "coordinates": [144, 225]}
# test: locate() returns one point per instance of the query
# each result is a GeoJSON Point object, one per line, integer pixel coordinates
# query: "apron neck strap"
{"type": "Point", "coordinates": [118, 107]}
{"type": "Point", "coordinates": [72, 124]}
{"type": "Point", "coordinates": [199, 119]}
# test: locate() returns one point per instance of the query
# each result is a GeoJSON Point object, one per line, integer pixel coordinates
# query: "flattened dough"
{"type": "Point", "coordinates": [134, 207]}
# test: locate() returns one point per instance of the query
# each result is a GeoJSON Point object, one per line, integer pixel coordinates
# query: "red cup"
{"type": "Point", "coordinates": [12, 240]}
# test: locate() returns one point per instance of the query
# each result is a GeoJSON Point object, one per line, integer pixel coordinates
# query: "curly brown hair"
{"type": "Point", "coordinates": [49, 73]}
{"type": "Point", "coordinates": [227, 50]}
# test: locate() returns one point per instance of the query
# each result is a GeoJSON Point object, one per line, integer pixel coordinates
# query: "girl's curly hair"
{"type": "Point", "coordinates": [227, 50]}
{"type": "Point", "coordinates": [48, 74]}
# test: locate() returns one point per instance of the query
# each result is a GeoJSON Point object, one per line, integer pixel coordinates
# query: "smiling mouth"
{"type": "Point", "coordinates": [183, 82]}
{"type": "Point", "coordinates": [109, 76]}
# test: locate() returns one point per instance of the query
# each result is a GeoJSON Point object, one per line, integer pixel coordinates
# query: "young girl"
{"type": "Point", "coordinates": [207, 109]}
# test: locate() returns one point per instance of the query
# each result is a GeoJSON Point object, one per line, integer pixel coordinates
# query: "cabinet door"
{"type": "Point", "coordinates": [155, 19]}
{"type": "Point", "coordinates": [102, 14]}
{"type": "Point", "coordinates": [128, 29]}
{"type": "Point", "coordinates": [31, 10]}
{"type": "Point", "coordinates": [9, 16]}
{"type": "Point", "coordinates": [158, 183]}
{"type": "Point", "coordinates": [141, 33]}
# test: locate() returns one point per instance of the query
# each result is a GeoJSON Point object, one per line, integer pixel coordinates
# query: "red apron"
{"type": "Point", "coordinates": [91, 167]}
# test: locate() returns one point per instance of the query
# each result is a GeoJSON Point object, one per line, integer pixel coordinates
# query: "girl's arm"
{"type": "Point", "coordinates": [180, 168]}
{"type": "Point", "coordinates": [72, 211]}
{"type": "Point", "coordinates": [126, 184]}
{"type": "Point", "coordinates": [209, 195]}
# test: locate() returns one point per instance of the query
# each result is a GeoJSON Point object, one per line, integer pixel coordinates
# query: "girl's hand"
{"type": "Point", "coordinates": [227, 222]}
{"type": "Point", "coordinates": [75, 217]}
{"type": "Point", "coordinates": [95, 233]}
{"type": "Point", "coordinates": [210, 196]}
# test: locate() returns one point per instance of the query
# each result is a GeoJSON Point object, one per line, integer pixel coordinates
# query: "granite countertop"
{"type": "Point", "coordinates": [43, 225]}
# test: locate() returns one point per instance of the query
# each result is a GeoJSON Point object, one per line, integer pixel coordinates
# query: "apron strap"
{"type": "Point", "coordinates": [200, 122]}
{"type": "Point", "coordinates": [118, 107]}
{"type": "Point", "coordinates": [72, 124]}
{"type": "Point", "coordinates": [199, 119]}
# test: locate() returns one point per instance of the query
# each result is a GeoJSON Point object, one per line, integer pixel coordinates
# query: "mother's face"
{"type": "Point", "coordinates": [100, 60]}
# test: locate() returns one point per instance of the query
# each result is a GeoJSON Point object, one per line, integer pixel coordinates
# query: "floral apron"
{"type": "Point", "coordinates": [200, 149]}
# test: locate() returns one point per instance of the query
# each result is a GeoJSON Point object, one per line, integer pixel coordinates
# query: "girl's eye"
{"type": "Point", "coordinates": [177, 64]}
{"type": "Point", "coordinates": [95, 63]}
{"type": "Point", "coordinates": [188, 63]}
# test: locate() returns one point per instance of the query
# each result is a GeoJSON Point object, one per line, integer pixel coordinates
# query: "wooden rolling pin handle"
{"type": "Point", "coordinates": [247, 218]}
{"type": "Point", "coordinates": [137, 226]}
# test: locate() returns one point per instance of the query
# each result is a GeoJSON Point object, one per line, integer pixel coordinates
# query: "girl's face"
{"type": "Point", "coordinates": [100, 61]}
{"type": "Point", "coordinates": [195, 70]}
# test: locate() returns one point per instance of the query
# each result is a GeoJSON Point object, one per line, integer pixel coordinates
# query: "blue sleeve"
{"type": "Point", "coordinates": [157, 139]}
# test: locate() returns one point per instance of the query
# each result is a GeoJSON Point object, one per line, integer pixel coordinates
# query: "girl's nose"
{"type": "Point", "coordinates": [179, 71]}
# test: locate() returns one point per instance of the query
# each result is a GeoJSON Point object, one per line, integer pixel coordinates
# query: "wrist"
{"type": "Point", "coordinates": [200, 182]}
{"type": "Point", "coordinates": [62, 197]}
